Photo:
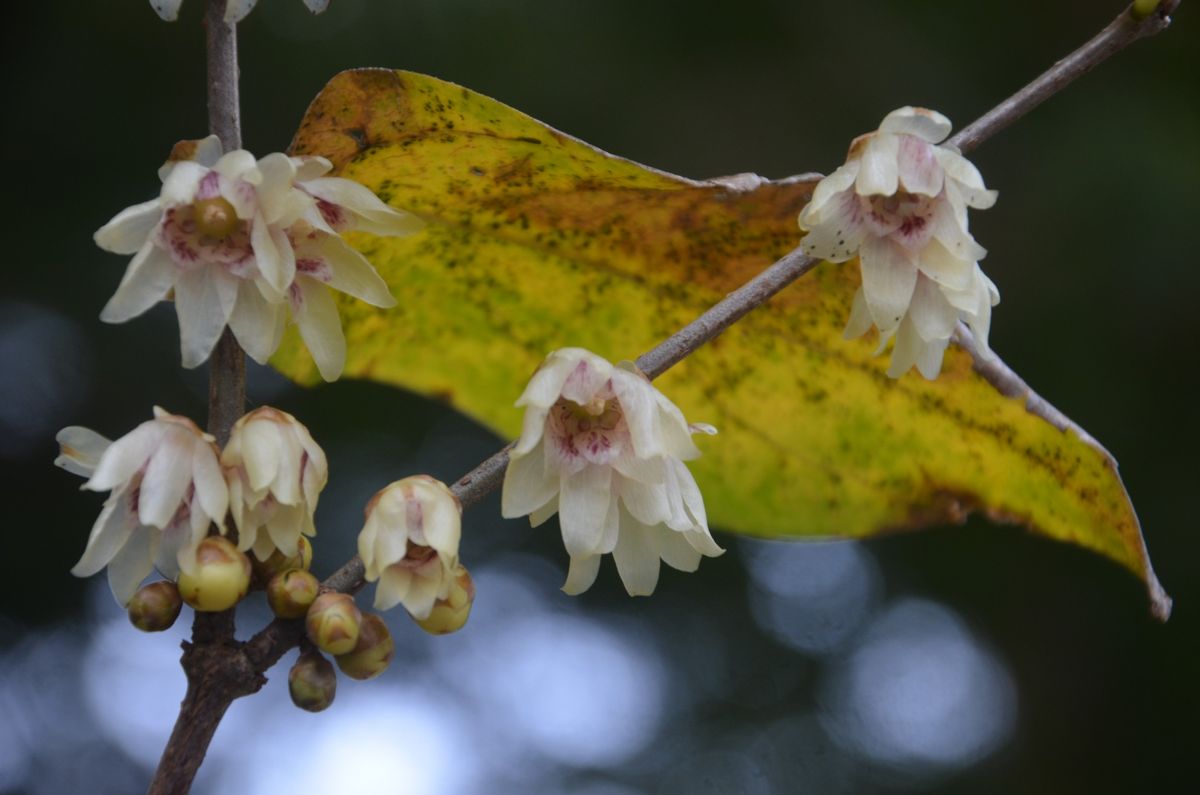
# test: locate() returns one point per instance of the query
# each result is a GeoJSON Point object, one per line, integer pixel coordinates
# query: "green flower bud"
{"type": "Point", "coordinates": [333, 623]}
{"type": "Point", "coordinates": [1144, 8]}
{"type": "Point", "coordinates": [373, 652]}
{"type": "Point", "coordinates": [278, 563]}
{"type": "Point", "coordinates": [220, 579]}
{"type": "Point", "coordinates": [155, 606]}
{"type": "Point", "coordinates": [312, 682]}
{"type": "Point", "coordinates": [450, 614]}
{"type": "Point", "coordinates": [292, 592]}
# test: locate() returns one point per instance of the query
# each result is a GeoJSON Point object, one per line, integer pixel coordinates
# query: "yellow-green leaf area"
{"type": "Point", "coordinates": [538, 241]}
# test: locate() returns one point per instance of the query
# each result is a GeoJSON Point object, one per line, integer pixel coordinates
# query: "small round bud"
{"type": "Point", "coordinates": [291, 593]}
{"type": "Point", "coordinates": [1144, 8]}
{"type": "Point", "coordinates": [450, 614]}
{"type": "Point", "coordinates": [155, 606]}
{"type": "Point", "coordinates": [312, 682]}
{"type": "Point", "coordinates": [278, 562]}
{"type": "Point", "coordinates": [373, 652]}
{"type": "Point", "coordinates": [221, 577]}
{"type": "Point", "coordinates": [333, 623]}
{"type": "Point", "coordinates": [215, 217]}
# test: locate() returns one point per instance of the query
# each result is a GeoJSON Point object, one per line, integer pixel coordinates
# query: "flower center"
{"type": "Point", "coordinates": [906, 216]}
{"type": "Point", "coordinates": [215, 217]}
{"type": "Point", "coordinates": [594, 430]}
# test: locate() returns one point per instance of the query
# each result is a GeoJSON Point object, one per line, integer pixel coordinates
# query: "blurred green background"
{"type": "Point", "coordinates": [967, 659]}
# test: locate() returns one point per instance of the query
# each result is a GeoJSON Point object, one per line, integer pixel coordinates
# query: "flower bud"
{"type": "Point", "coordinates": [312, 682]}
{"type": "Point", "coordinates": [333, 623]}
{"type": "Point", "coordinates": [220, 579]}
{"type": "Point", "coordinates": [155, 606]}
{"type": "Point", "coordinates": [278, 563]}
{"type": "Point", "coordinates": [450, 614]}
{"type": "Point", "coordinates": [1144, 8]}
{"type": "Point", "coordinates": [292, 592]}
{"type": "Point", "coordinates": [373, 652]}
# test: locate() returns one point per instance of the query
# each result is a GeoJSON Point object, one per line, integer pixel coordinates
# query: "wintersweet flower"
{"type": "Point", "coordinates": [244, 242]}
{"type": "Point", "coordinates": [409, 543]}
{"type": "Point", "coordinates": [167, 489]}
{"type": "Point", "coordinates": [235, 10]}
{"type": "Point", "coordinates": [604, 449]}
{"type": "Point", "coordinates": [275, 472]}
{"type": "Point", "coordinates": [900, 204]}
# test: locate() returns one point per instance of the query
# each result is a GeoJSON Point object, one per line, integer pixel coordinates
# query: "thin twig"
{"type": "Point", "coordinates": [217, 670]}
{"type": "Point", "coordinates": [1120, 33]}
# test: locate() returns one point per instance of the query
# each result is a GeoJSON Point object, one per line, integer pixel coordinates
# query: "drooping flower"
{"type": "Point", "coordinates": [167, 489]}
{"type": "Point", "coordinates": [235, 10]}
{"type": "Point", "coordinates": [243, 242]}
{"type": "Point", "coordinates": [900, 204]}
{"type": "Point", "coordinates": [275, 473]}
{"type": "Point", "coordinates": [604, 449]}
{"type": "Point", "coordinates": [409, 543]}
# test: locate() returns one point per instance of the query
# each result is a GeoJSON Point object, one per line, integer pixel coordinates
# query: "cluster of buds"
{"type": "Point", "coordinates": [170, 485]}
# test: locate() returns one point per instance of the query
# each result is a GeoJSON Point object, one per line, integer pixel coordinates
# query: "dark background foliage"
{"type": "Point", "coordinates": [1067, 683]}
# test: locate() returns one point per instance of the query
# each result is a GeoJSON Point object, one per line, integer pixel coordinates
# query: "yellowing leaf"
{"type": "Point", "coordinates": [538, 241]}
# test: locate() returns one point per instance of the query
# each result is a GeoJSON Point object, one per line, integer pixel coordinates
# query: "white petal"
{"type": "Point", "coordinates": [878, 172]}
{"type": "Point", "coordinates": [839, 235]}
{"type": "Point", "coordinates": [676, 551]}
{"type": "Point", "coordinates": [372, 214]}
{"type": "Point", "coordinates": [267, 257]}
{"type": "Point", "coordinates": [353, 274]}
{"type": "Point", "coordinates": [837, 182]}
{"type": "Point", "coordinates": [165, 483]}
{"type": "Point", "coordinates": [422, 593]}
{"type": "Point", "coordinates": [212, 493]}
{"type": "Point", "coordinates": [860, 321]}
{"type": "Point", "coordinates": [284, 528]}
{"type": "Point", "coordinates": [203, 310]}
{"type": "Point", "coordinates": [921, 122]}
{"type": "Point", "coordinates": [129, 230]}
{"type": "Point", "coordinates": [181, 183]}
{"type": "Point", "coordinates": [262, 452]}
{"type": "Point", "coordinates": [111, 531]}
{"type": "Point", "coordinates": [394, 585]}
{"type": "Point", "coordinates": [909, 346]}
{"type": "Point", "coordinates": [316, 6]}
{"type": "Point", "coordinates": [581, 574]}
{"type": "Point", "coordinates": [527, 484]}
{"type": "Point", "coordinates": [167, 9]}
{"type": "Point", "coordinates": [126, 456]}
{"type": "Point", "coordinates": [320, 327]}
{"type": "Point", "coordinates": [257, 323]}
{"type": "Point", "coordinates": [131, 564]}
{"type": "Point", "coordinates": [647, 503]}
{"type": "Point", "coordinates": [967, 178]}
{"type": "Point", "coordinates": [932, 316]}
{"type": "Point", "coordinates": [543, 514]}
{"type": "Point", "coordinates": [940, 265]}
{"type": "Point", "coordinates": [80, 450]}
{"type": "Point", "coordinates": [583, 504]}
{"type": "Point", "coordinates": [443, 526]}
{"type": "Point", "coordinates": [888, 281]}
{"type": "Point", "coordinates": [918, 166]}
{"type": "Point", "coordinates": [929, 360]}
{"type": "Point", "coordinates": [149, 277]}
{"type": "Point", "coordinates": [637, 557]}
